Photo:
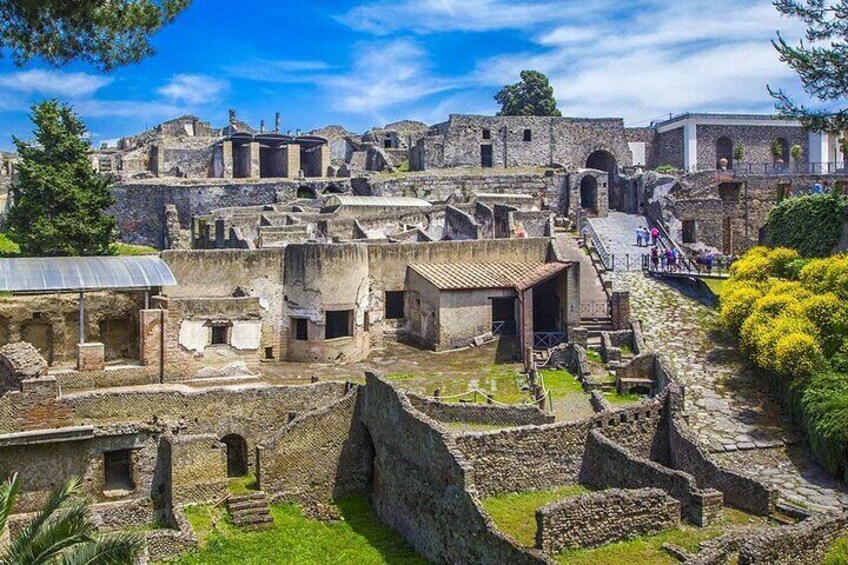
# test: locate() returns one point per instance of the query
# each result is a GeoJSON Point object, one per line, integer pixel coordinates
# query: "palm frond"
{"type": "Point", "coordinates": [68, 527]}
{"type": "Point", "coordinates": [112, 549]}
{"type": "Point", "coordinates": [8, 493]}
{"type": "Point", "coordinates": [31, 531]}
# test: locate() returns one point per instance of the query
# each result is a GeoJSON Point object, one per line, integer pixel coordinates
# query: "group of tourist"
{"type": "Point", "coordinates": [819, 187]}
{"type": "Point", "coordinates": [644, 238]}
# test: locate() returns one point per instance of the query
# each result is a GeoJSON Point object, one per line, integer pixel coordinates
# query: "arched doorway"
{"type": "Point", "coordinates": [724, 150]}
{"type": "Point", "coordinates": [602, 160]}
{"type": "Point", "coordinates": [589, 193]}
{"type": "Point", "coordinates": [236, 455]}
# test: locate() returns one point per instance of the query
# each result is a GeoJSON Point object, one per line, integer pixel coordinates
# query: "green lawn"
{"type": "Point", "coordinates": [616, 397]}
{"type": "Point", "coordinates": [515, 514]}
{"type": "Point", "coordinates": [295, 540]}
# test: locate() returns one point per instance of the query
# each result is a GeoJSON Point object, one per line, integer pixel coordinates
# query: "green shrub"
{"type": "Point", "coordinates": [667, 170]}
{"type": "Point", "coordinates": [779, 258]}
{"type": "Point", "coordinates": [793, 268]}
{"type": "Point", "coordinates": [751, 268]}
{"type": "Point", "coordinates": [825, 404]}
{"type": "Point", "coordinates": [812, 225]}
{"type": "Point", "coordinates": [838, 554]}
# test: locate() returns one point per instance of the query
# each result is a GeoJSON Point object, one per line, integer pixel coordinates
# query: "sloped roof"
{"type": "Point", "coordinates": [459, 276]}
{"type": "Point", "coordinates": [387, 201]}
{"type": "Point", "coordinates": [70, 274]}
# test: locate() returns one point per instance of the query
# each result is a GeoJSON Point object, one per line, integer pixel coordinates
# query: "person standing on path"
{"type": "Point", "coordinates": [655, 235]}
{"type": "Point", "coordinates": [638, 237]}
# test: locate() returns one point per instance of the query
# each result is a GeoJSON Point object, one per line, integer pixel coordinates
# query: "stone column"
{"type": "Point", "coordinates": [157, 160]}
{"type": "Point", "coordinates": [227, 159]}
{"type": "Point", "coordinates": [620, 306]}
{"type": "Point", "coordinates": [254, 160]}
{"type": "Point", "coordinates": [690, 147]}
{"type": "Point", "coordinates": [91, 356]}
{"type": "Point", "coordinates": [291, 160]}
{"type": "Point", "coordinates": [323, 160]}
{"type": "Point", "coordinates": [150, 336]}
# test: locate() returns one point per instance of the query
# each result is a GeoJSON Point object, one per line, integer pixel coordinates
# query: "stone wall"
{"type": "Point", "coordinates": [460, 225]}
{"type": "Point", "coordinates": [600, 518]}
{"type": "Point", "coordinates": [319, 455]}
{"type": "Point", "coordinates": [669, 148]}
{"type": "Point", "coordinates": [198, 468]}
{"type": "Point", "coordinates": [756, 140]}
{"type": "Point", "coordinates": [486, 414]}
{"type": "Point", "coordinates": [18, 362]}
{"type": "Point", "coordinates": [421, 486]}
{"type": "Point", "coordinates": [607, 464]}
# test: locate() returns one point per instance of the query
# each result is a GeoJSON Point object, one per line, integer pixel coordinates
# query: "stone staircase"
{"type": "Point", "coordinates": [250, 511]}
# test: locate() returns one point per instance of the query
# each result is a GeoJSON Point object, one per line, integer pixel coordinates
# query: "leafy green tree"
{"type": "Point", "coordinates": [533, 96]}
{"type": "Point", "coordinates": [106, 33]}
{"type": "Point", "coordinates": [62, 532]}
{"type": "Point", "coordinates": [821, 62]}
{"type": "Point", "coordinates": [58, 201]}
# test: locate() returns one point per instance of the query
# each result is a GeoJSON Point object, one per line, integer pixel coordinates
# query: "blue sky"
{"type": "Point", "coordinates": [363, 63]}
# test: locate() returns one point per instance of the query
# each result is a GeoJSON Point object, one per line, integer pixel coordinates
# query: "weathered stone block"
{"type": "Point", "coordinates": [91, 356]}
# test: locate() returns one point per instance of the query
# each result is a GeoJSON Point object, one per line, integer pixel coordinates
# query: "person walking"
{"type": "Point", "coordinates": [655, 257]}
{"type": "Point", "coordinates": [655, 235]}
{"type": "Point", "coordinates": [638, 237]}
{"type": "Point", "coordinates": [708, 259]}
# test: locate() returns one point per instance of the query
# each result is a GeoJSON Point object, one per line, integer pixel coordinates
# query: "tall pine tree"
{"type": "Point", "coordinates": [58, 201]}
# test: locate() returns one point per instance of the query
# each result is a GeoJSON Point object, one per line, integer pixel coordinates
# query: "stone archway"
{"type": "Point", "coordinates": [603, 160]}
{"type": "Point", "coordinates": [589, 193]}
{"type": "Point", "coordinates": [236, 455]}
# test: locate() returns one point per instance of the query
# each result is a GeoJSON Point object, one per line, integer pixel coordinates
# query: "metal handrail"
{"type": "Point", "coordinates": [546, 340]}
{"type": "Point", "coordinates": [597, 244]}
{"type": "Point", "coordinates": [504, 327]}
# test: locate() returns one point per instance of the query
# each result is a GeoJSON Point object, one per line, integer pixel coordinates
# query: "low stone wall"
{"type": "Point", "coordinates": [739, 491]}
{"type": "Point", "coordinates": [600, 518]}
{"type": "Point", "coordinates": [609, 465]}
{"type": "Point", "coordinates": [162, 545]}
{"type": "Point", "coordinates": [120, 376]}
{"type": "Point", "coordinates": [539, 457]}
{"type": "Point", "coordinates": [805, 543]}
{"type": "Point", "coordinates": [488, 414]}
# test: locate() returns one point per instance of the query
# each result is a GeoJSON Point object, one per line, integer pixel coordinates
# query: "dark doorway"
{"type": "Point", "coordinates": [589, 193]}
{"type": "Point", "coordinates": [117, 468]}
{"type": "Point", "coordinates": [339, 324]}
{"type": "Point", "coordinates": [236, 455]}
{"type": "Point", "coordinates": [690, 234]}
{"type": "Point", "coordinates": [604, 161]}
{"type": "Point", "coordinates": [486, 156]}
{"type": "Point", "coordinates": [546, 306]}
{"type": "Point", "coordinates": [724, 150]}
{"type": "Point", "coordinates": [784, 151]}
{"type": "Point", "coordinates": [503, 316]}
{"type": "Point", "coordinates": [394, 304]}
{"type": "Point", "coordinates": [119, 338]}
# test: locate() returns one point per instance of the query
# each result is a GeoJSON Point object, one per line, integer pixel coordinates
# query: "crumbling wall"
{"type": "Point", "coordinates": [596, 519]}
{"type": "Point", "coordinates": [20, 361]}
{"type": "Point", "coordinates": [486, 414]}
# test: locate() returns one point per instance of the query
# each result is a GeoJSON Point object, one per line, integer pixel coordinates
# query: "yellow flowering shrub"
{"type": "Point", "coordinates": [798, 355]}
{"type": "Point", "coordinates": [737, 303]}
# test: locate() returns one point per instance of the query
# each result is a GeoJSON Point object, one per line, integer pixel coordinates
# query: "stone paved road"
{"type": "Point", "coordinates": [617, 233]}
{"type": "Point", "coordinates": [729, 409]}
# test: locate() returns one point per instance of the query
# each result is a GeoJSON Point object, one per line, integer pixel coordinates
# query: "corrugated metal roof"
{"type": "Point", "coordinates": [388, 201]}
{"type": "Point", "coordinates": [495, 195]}
{"type": "Point", "coordinates": [64, 274]}
{"type": "Point", "coordinates": [458, 276]}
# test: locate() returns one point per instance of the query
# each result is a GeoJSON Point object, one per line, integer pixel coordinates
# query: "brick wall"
{"type": "Point", "coordinates": [491, 414]}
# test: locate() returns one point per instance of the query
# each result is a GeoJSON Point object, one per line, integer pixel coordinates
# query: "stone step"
{"type": "Point", "coordinates": [259, 508]}
{"type": "Point", "coordinates": [258, 495]}
{"type": "Point", "coordinates": [246, 504]}
{"type": "Point", "coordinates": [253, 520]}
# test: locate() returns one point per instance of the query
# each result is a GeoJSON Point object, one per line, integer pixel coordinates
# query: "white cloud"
{"type": "Point", "coordinates": [432, 16]}
{"type": "Point", "coordinates": [384, 75]}
{"type": "Point", "coordinates": [193, 89]}
{"type": "Point", "coordinates": [278, 71]}
{"type": "Point", "coordinates": [693, 55]}
{"type": "Point", "coordinates": [54, 83]}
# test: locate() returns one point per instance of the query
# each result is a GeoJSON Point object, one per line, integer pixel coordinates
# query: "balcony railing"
{"type": "Point", "coordinates": [504, 327]}
{"type": "Point", "coordinates": [546, 340]}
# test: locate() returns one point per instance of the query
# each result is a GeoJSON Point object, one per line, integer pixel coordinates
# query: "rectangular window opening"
{"type": "Point", "coordinates": [394, 304]}
{"type": "Point", "coordinates": [117, 467]}
{"type": "Point", "coordinates": [487, 134]}
{"type": "Point", "coordinates": [528, 135]}
{"type": "Point", "coordinates": [300, 329]}
{"type": "Point", "coordinates": [220, 335]}
{"type": "Point", "coordinates": [339, 323]}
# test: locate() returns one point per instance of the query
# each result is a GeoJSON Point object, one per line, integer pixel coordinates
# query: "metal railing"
{"type": "Point", "coordinates": [718, 268]}
{"type": "Point", "coordinates": [815, 168]}
{"type": "Point", "coordinates": [597, 245]}
{"type": "Point", "coordinates": [504, 327]}
{"type": "Point", "coordinates": [595, 309]}
{"type": "Point", "coordinates": [546, 340]}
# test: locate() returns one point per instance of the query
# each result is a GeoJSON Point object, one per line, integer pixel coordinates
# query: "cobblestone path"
{"type": "Point", "coordinates": [730, 410]}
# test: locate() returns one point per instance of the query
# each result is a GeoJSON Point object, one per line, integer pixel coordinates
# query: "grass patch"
{"type": "Point", "coordinates": [594, 356]}
{"type": "Point", "coordinates": [295, 540]}
{"type": "Point", "coordinates": [242, 485]}
{"type": "Point", "coordinates": [838, 554]}
{"type": "Point", "coordinates": [616, 397]}
{"type": "Point", "coordinates": [129, 249]}
{"type": "Point", "coordinates": [515, 514]}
